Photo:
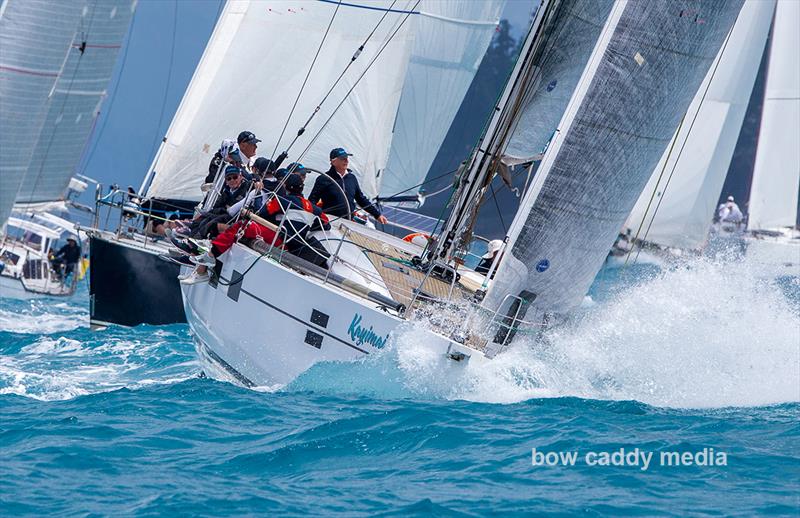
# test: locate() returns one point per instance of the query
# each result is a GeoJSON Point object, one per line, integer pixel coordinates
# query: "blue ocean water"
{"type": "Point", "coordinates": [701, 360]}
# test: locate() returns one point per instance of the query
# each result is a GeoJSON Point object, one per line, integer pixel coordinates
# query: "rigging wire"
{"type": "Point", "coordinates": [680, 152]}
{"type": "Point", "coordinates": [81, 49]}
{"type": "Point", "coordinates": [360, 77]}
{"type": "Point", "coordinates": [308, 74]}
{"type": "Point", "coordinates": [346, 68]}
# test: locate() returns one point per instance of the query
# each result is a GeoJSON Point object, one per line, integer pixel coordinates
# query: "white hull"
{"type": "Point", "coordinates": [276, 323]}
{"type": "Point", "coordinates": [780, 251]}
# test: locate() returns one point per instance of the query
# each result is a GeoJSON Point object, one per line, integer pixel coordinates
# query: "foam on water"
{"type": "Point", "coordinates": [704, 334]}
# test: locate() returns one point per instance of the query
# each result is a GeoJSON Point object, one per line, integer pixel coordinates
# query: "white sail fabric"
{"type": "Point", "coordinates": [644, 72]}
{"type": "Point", "coordinates": [35, 36]}
{"type": "Point", "coordinates": [254, 67]}
{"type": "Point", "coordinates": [687, 201]}
{"type": "Point", "coordinates": [450, 40]}
{"type": "Point", "coordinates": [776, 175]}
{"type": "Point", "coordinates": [76, 99]}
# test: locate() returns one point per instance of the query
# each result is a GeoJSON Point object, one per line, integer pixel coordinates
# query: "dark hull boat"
{"type": "Point", "coordinates": [129, 285]}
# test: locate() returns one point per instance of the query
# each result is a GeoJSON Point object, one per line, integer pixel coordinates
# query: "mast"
{"type": "Point", "coordinates": [476, 175]}
{"type": "Point", "coordinates": [644, 71]}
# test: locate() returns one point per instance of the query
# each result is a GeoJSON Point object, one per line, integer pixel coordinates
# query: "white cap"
{"type": "Point", "coordinates": [730, 198]}
{"type": "Point", "coordinates": [493, 246]}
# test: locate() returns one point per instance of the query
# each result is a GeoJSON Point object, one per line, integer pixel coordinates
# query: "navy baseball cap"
{"type": "Point", "coordinates": [296, 167]}
{"type": "Point", "coordinates": [294, 183]}
{"type": "Point", "coordinates": [232, 170]}
{"type": "Point", "coordinates": [247, 136]}
{"type": "Point", "coordinates": [339, 152]}
{"type": "Point", "coordinates": [262, 165]}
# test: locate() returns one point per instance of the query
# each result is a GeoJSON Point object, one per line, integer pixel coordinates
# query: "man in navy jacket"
{"type": "Point", "coordinates": [339, 191]}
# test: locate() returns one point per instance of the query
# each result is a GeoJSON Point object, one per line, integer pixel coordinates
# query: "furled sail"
{"type": "Point", "coordinates": [643, 73]}
{"type": "Point", "coordinates": [776, 175]}
{"type": "Point", "coordinates": [35, 36]}
{"type": "Point", "coordinates": [254, 67]}
{"type": "Point", "coordinates": [450, 40]}
{"type": "Point", "coordinates": [695, 169]}
{"type": "Point", "coordinates": [75, 101]}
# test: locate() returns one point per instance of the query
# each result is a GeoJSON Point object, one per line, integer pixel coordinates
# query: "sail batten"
{"type": "Point", "coordinates": [646, 67]}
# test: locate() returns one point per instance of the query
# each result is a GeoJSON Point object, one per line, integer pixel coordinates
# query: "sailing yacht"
{"type": "Point", "coordinates": [615, 101]}
{"type": "Point", "coordinates": [436, 49]}
{"type": "Point", "coordinates": [674, 214]}
{"type": "Point", "coordinates": [60, 81]}
{"type": "Point", "coordinates": [774, 222]}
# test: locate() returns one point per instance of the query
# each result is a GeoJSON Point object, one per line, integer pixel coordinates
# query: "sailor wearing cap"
{"type": "Point", "coordinates": [338, 189]}
{"type": "Point", "coordinates": [729, 212]}
{"type": "Point", "coordinates": [238, 153]}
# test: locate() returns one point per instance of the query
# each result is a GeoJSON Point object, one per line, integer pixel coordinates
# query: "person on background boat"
{"type": "Point", "coordinates": [492, 248]}
{"type": "Point", "coordinates": [338, 192]}
{"type": "Point", "coordinates": [729, 212]}
{"type": "Point", "coordinates": [300, 217]}
{"type": "Point", "coordinates": [67, 258]}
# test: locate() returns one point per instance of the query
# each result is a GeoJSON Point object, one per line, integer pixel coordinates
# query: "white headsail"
{"type": "Point", "coordinates": [776, 176]}
{"type": "Point", "coordinates": [76, 99]}
{"type": "Point", "coordinates": [254, 67]}
{"type": "Point", "coordinates": [450, 40]}
{"type": "Point", "coordinates": [35, 36]}
{"type": "Point", "coordinates": [649, 60]}
{"type": "Point", "coordinates": [694, 169]}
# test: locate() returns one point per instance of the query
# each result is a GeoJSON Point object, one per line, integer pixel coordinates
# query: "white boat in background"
{"type": "Point", "coordinates": [26, 249]}
{"type": "Point", "coordinates": [605, 116]}
{"type": "Point", "coordinates": [673, 217]}
{"type": "Point", "coordinates": [773, 221]}
{"type": "Point", "coordinates": [88, 35]}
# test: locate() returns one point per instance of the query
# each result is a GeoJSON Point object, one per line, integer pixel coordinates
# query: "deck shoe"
{"type": "Point", "coordinates": [195, 278]}
{"type": "Point", "coordinates": [187, 246]}
{"type": "Point", "coordinates": [205, 259]}
{"type": "Point", "coordinates": [184, 276]}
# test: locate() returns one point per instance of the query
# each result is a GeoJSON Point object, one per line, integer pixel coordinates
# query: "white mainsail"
{"type": "Point", "coordinates": [76, 99]}
{"type": "Point", "coordinates": [694, 169]}
{"type": "Point", "coordinates": [450, 40]}
{"type": "Point", "coordinates": [776, 175]}
{"type": "Point", "coordinates": [35, 36]}
{"type": "Point", "coordinates": [255, 65]}
{"type": "Point", "coordinates": [644, 71]}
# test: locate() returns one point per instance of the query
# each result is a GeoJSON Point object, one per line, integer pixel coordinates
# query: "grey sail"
{"type": "Point", "coordinates": [76, 99]}
{"type": "Point", "coordinates": [35, 36]}
{"type": "Point", "coordinates": [570, 39]}
{"type": "Point", "coordinates": [644, 72]}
